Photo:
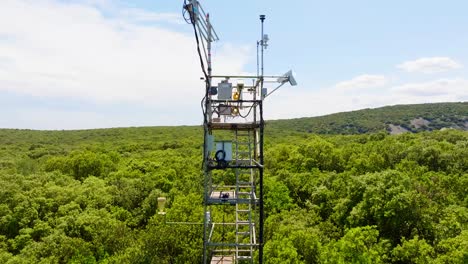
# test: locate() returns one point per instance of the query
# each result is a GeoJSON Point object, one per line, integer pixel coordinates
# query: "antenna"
{"type": "Point", "coordinates": [204, 30]}
{"type": "Point", "coordinates": [198, 17]}
{"type": "Point", "coordinates": [263, 43]}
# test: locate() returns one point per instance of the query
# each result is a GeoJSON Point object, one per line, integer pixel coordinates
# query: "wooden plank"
{"type": "Point", "coordinates": [222, 260]}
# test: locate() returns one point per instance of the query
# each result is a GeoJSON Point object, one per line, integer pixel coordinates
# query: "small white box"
{"type": "Point", "coordinates": [224, 91]}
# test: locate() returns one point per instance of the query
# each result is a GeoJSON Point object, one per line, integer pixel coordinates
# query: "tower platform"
{"type": "Point", "coordinates": [234, 126]}
{"type": "Point", "coordinates": [230, 197]}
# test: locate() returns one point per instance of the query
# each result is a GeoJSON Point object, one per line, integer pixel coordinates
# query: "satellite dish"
{"type": "Point", "coordinates": [288, 77]}
{"type": "Point", "coordinates": [292, 80]}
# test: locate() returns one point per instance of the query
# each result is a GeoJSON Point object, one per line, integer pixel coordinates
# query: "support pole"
{"type": "Point", "coordinates": [261, 220]}
{"type": "Point", "coordinates": [207, 119]}
{"type": "Point", "coordinates": [262, 18]}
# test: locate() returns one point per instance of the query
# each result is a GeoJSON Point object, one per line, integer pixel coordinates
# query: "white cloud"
{"type": "Point", "coordinates": [49, 118]}
{"type": "Point", "coordinates": [457, 88]}
{"type": "Point", "coordinates": [430, 65]}
{"type": "Point", "coordinates": [49, 48]}
{"type": "Point", "coordinates": [28, 118]}
{"type": "Point", "coordinates": [363, 82]}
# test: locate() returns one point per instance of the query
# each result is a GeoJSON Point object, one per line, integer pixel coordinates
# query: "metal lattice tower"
{"type": "Point", "coordinates": [233, 152]}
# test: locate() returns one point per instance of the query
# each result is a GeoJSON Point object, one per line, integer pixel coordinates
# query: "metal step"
{"type": "Point", "coordinates": [246, 245]}
{"type": "Point", "coordinates": [244, 183]}
{"type": "Point", "coordinates": [243, 162]}
{"type": "Point", "coordinates": [243, 210]}
{"type": "Point", "coordinates": [247, 233]}
{"type": "Point", "coordinates": [244, 257]}
{"type": "Point", "coordinates": [241, 143]}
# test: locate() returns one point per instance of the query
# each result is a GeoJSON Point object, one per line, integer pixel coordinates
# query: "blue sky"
{"type": "Point", "coordinates": [101, 63]}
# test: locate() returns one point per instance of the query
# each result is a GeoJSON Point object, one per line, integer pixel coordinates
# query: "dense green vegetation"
{"type": "Point", "coordinates": [371, 199]}
{"type": "Point", "coordinates": [90, 196]}
{"type": "Point", "coordinates": [439, 115]}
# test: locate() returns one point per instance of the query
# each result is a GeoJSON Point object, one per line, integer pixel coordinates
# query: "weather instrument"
{"type": "Point", "coordinates": [233, 160]}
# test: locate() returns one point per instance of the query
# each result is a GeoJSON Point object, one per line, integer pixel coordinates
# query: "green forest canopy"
{"type": "Point", "coordinates": [91, 196]}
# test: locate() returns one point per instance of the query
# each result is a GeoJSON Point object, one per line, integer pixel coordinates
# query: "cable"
{"type": "Point", "coordinates": [221, 157]}
{"type": "Point", "coordinates": [202, 63]}
{"type": "Point", "coordinates": [248, 113]}
{"type": "Point", "coordinates": [192, 21]}
{"type": "Point", "coordinates": [207, 81]}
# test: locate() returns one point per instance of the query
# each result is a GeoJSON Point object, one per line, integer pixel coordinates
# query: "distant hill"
{"type": "Point", "coordinates": [394, 119]}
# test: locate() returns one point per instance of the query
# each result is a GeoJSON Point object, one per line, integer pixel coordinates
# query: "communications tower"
{"type": "Point", "coordinates": [233, 158]}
